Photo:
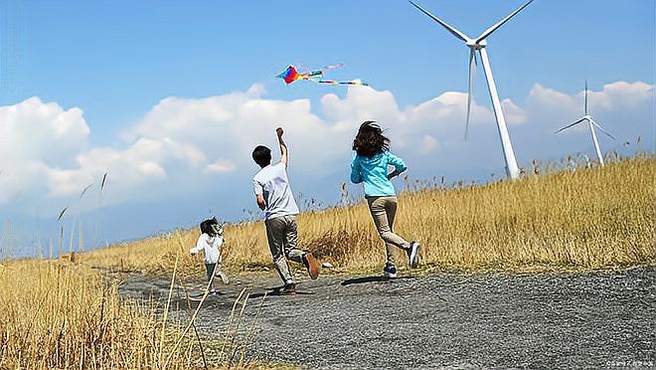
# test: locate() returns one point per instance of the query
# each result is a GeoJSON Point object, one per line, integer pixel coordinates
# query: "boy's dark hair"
{"type": "Point", "coordinates": [370, 140]}
{"type": "Point", "coordinates": [206, 226]}
{"type": "Point", "coordinates": [262, 155]}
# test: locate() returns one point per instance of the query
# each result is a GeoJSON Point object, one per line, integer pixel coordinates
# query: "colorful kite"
{"type": "Point", "coordinates": [292, 74]}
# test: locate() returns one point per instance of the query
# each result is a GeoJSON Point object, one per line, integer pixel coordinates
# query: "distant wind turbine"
{"type": "Point", "coordinates": [479, 44]}
{"type": "Point", "coordinates": [592, 124]}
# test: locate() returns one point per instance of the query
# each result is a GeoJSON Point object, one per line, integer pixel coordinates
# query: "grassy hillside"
{"type": "Point", "coordinates": [61, 314]}
{"type": "Point", "coordinates": [588, 218]}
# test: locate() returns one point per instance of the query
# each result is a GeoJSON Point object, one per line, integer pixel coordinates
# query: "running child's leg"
{"type": "Point", "coordinates": [295, 254]}
{"type": "Point", "coordinates": [412, 249]}
{"type": "Point", "coordinates": [220, 274]}
{"type": "Point", "coordinates": [378, 208]}
{"type": "Point", "coordinates": [390, 210]}
{"type": "Point", "coordinates": [290, 240]}
{"type": "Point", "coordinates": [210, 268]}
{"type": "Point", "coordinates": [275, 229]}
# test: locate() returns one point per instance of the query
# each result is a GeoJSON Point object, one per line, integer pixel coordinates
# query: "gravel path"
{"type": "Point", "coordinates": [598, 320]}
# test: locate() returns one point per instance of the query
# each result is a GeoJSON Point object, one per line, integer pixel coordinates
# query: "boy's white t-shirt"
{"type": "Point", "coordinates": [211, 247]}
{"type": "Point", "coordinates": [272, 182]}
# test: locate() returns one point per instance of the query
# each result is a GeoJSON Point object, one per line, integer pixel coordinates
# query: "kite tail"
{"type": "Point", "coordinates": [350, 82]}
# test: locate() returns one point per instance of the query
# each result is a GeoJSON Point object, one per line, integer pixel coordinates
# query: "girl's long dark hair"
{"type": "Point", "coordinates": [370, 140]}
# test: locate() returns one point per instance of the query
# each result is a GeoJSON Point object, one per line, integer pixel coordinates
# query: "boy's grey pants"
{"type": "Point", "coordinates": [282, 234]}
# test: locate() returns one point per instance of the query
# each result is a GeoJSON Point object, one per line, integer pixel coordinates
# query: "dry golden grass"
{"type": "Point", "coordinates": [58, 314]}
{"type": "Point", "coordinates": [588, 218]}
{"type": "Point", "coordinates": [62, 315]}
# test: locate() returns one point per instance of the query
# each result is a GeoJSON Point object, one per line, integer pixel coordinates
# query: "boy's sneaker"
{"type": "Point", "coordinates": [389, 271]}
{"type": "Point", "coordinates": [311, 265]}
{"type": "Point", "coordinates": [289, 289]}
{"type": "Point", "coordinates": [224, 278]}
{"type": "Point", "coordinates": [413, 254]}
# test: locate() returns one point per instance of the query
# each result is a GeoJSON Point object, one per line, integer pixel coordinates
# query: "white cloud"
{"type": "Point", "coordinates": [220, 166]}
{"type": "Point", "coordinates": [33, 136]}
{"type": "Point", "coordinates": [141, 163]}
{"type": "Point", "coordinates": [513, 113]}
{"type": "Point", "coordinates": [429, 144]}
{"type": "Point", "coordinates": [619, 95]}
{"type": "Point", "coordinates": [44, 148]}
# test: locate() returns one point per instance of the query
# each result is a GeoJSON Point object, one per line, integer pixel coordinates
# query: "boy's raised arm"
{"type": "Point", "coordinates": [284, 154]}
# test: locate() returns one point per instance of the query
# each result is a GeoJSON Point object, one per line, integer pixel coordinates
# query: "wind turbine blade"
{"type": "Point", "coordinates": [570, 125]}
{"type": "Point", "coordinates": [448, 27]}
{"type": "Point", "coordinates": [489, 31]}
{"type": "Point", "coordinates": [470, 89]}
{"type": "Point", "coordinates": [602, 129]}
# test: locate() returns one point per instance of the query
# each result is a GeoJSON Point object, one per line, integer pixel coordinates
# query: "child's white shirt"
{"type": "Point", "coordinates": [211, 247]}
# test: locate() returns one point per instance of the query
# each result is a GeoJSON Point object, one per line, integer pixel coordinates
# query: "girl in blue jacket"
{"type": "Point", "coordinates": [371, 167]}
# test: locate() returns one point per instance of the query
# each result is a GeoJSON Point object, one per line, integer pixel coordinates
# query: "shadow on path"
{"type": "Point", "coordinates": [372, 279]}
{"type": "Point", "coordinates": [277, 291]}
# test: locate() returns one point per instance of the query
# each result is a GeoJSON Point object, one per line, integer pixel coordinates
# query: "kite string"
{"type": "Point", "coordinates": [348, 82]}
{"type": "Point", "coordinates": [330, 67]}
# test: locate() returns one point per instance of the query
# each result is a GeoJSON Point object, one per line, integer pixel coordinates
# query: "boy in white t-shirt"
{"type": "Point", "coordinates": [210, 242]}
{"type": "Point", "coordinates": [274, 196]}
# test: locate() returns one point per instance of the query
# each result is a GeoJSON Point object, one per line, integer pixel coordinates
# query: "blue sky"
{"type": "Point", "coordinates": [104, 55]}
{"type": "Point", "coordinates": [115, 61]}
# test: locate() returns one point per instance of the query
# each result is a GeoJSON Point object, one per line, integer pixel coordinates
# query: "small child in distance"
{"type": "Point", "coordinates": [210, 242]}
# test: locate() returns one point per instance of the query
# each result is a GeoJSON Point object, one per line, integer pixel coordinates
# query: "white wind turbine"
{"type": "Point", "coordinates": [479, 44]}
{"type": "Point", "coordinates": [592, 124]}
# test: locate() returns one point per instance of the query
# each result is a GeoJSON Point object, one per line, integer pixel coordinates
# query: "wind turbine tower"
{"type": "Point", "coordinates": [479, 45]}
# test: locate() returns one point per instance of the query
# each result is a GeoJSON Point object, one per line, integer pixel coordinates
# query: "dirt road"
{"type": "Point", "coordinates": [598, 319]}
